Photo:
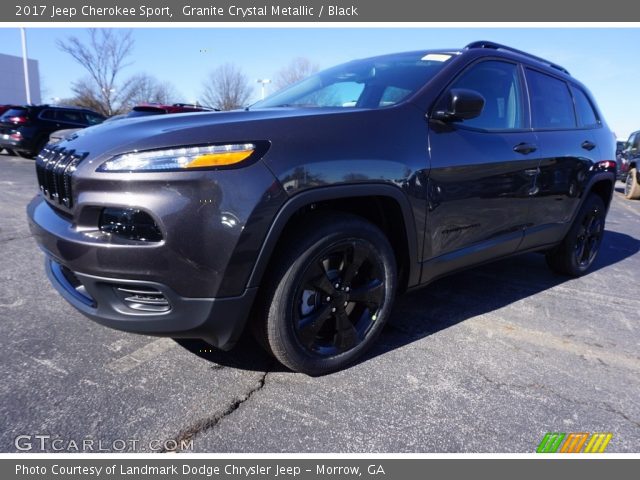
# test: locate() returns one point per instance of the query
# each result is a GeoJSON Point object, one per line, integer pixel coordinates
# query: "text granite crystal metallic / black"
{"type": "Point", "coordinates": [304, 215]}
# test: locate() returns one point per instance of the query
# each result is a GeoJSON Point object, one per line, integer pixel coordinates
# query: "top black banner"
{"type": "Point", "coordinates": [216, 11]}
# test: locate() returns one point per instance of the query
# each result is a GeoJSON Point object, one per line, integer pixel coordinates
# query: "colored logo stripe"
{"type": "Point", "coordinates": [550, 442]}
{"type": "Point", "coordinates": [574, 442]}
{"type": "Point", "coordinates": [598, 442]}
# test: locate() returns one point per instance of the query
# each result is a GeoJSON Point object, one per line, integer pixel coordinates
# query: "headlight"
{"type": "Point", "coordinates": [181, 158]}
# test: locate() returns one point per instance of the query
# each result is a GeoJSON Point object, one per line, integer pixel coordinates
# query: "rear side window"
{"type": "Point", "coordinates": [499, 84]}
{"type": "Point", "coordinates": [551, 102]}
{"type": "Point", "coordinates": [48, 115]}
{"type": "Point", "coordinates": [584, 109]}
{"type": "Point", "coordinates": [71, 116]}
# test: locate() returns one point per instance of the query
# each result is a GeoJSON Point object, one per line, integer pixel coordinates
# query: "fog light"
{"type": "Point", "coordinates": [129, 223]}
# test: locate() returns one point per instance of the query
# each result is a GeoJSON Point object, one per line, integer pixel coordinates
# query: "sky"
{"type": "Point", "coordinates": [607, 60]}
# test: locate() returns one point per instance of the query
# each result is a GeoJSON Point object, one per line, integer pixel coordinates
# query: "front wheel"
{"type": "Point", "coordinates": [580, 246]}
{"type": "Point", "coordinates": [332, 291]}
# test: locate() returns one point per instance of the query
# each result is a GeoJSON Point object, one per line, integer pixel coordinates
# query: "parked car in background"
{"type": "Point", "coordinates": [621, 168]}
{"type": "Point", "coordinates": [630, 162]}
{"type": "Point", "coordinates": [4, 108]}
{"type": "Point", "coordinates": [137, 111]}
{"type": "Point", "coordinates": [26, 129]}
{"type": "Point", "coordinates": [305, 214]}
{"type": "Point", "coordinates": [162, 109]}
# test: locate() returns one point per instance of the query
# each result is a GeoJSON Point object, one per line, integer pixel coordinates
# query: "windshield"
{"type": "Point", "coordinates": [370, 83]}
{"type": "Point", "coordinates": [144, 111]}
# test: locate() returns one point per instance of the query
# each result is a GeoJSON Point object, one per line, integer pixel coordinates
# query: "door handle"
{"type": "Point", "coordinates": [525, 148]}
{"type": "Point", "coordinates": [587, 145]}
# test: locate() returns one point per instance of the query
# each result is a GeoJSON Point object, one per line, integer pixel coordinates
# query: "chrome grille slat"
{"type": "Point", "coordinates": [54, 168]}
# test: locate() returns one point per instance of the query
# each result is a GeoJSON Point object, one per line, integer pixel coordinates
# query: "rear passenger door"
{"type": "Point", "coordinates": [482, 172]}
{"type": "Point", "coordinates": [563, 120]}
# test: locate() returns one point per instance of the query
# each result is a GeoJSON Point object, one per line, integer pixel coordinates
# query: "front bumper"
{"type": "Point", "coordinates": [219, 321]}
{"type": "Point", "coordinates": [85, 269]}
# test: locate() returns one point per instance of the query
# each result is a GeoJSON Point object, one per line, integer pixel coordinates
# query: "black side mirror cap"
{"type": "Point", "coordinates": [459, 104]}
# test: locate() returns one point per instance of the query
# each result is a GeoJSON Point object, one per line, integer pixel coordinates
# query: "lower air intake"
{"type": "Point", "coordinates": [143, 298]}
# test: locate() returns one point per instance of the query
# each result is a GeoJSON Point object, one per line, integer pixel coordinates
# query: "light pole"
{"type": "Point", "coordinates": [25, 64]}
{"type": "Point", "coordinates": [263, 82]}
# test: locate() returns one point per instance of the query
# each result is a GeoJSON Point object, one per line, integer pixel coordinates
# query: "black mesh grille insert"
{"type": "Point", "coordinates": [54, 167]}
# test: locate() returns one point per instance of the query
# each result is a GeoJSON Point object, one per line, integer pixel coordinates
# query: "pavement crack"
{"type": "Point", "coordinates": [205, 424]}
{"type": "Point", "coordinates": [602, 405]}
{"type": "Point", "coordinates": [620, 413]}
{"type": "Point", "coordinates": [11, 239]}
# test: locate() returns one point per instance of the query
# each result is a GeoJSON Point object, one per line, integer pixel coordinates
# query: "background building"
{"type": "Point", "coordinates": [12, 80]}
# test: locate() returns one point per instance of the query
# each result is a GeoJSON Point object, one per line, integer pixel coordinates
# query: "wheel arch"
{"type": "Point", "coordinates": [386, 206]}
{"type": "Point", "coordinates": [603, 187]}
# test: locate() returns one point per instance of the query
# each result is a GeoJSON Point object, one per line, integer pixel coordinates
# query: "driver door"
{"type": "Point", "coordinates": [482, 173]}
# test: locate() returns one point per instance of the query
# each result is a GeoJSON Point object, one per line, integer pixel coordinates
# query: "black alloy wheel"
{"type": "Point", "coordinates": [580, 246]}
{"type": "Point", "coordinates": [329, 293]}
{"type": "Point", "coordinates": [340, 296]}
{"type": "Point", "coordinates": [589, 237]}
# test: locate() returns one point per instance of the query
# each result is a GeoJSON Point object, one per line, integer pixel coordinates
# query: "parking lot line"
{"type": "Point", "coordinates": [539, 338]}
{"type": "Point", "coordinates": [141, 356]}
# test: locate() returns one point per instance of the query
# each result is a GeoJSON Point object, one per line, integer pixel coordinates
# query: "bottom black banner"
{"type": "Point", "coordinates": [314, 469]}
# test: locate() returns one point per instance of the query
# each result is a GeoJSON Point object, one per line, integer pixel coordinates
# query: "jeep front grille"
{"type": "Point", "coordinates": [54, 167]}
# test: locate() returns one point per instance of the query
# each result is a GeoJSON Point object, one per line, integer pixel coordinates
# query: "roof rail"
{"type": "Point", "coordinates": [498, 46]}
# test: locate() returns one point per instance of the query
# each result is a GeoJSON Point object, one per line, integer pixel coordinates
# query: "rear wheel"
{"type": "Point", "coordinates": [332, 292]}
{"type": "Point", "coordinates": [631, 185]}
{"type": "Point", "coordinates": [579, 249]}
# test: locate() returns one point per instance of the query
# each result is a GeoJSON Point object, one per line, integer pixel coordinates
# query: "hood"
{"type": "Point", "coordinates": [201, 128]}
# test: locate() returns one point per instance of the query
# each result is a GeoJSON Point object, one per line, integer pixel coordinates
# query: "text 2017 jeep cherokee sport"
{"type": "Point", "coordinates": [308, 212]}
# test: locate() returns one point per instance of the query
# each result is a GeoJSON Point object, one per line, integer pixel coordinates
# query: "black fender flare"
{"type": "Point", "coordinates": [597, 178]}
{"type": "Point", "coordinates": [308, 197]}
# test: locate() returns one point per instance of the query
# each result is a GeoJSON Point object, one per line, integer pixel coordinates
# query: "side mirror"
{"type": "Point", "coordinates": [459, 104]}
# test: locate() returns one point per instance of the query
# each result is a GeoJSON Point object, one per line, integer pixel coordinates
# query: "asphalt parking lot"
{"type": "Point", "coordinates": [488, 360]}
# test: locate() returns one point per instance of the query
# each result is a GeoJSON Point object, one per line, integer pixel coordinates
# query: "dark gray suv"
{"type": "Point", "coordinates": [307, 213]}
{"type": "Point", "coordinates": [26, 129]}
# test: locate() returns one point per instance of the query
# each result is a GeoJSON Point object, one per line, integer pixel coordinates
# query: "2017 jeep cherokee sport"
{"type": "Point", "coordinates": [308, 212]}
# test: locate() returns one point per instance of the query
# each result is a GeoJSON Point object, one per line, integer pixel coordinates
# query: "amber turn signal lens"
{"type": "Point", "coordinates": [219, 159]}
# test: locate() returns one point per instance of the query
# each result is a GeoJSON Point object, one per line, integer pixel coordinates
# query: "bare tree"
{"type": "Point", "coordinates": [298, 69]}
{"type": "Point", "coordinates": [147, 89]}
{"type": "Point", "coordinates": [104, 57]}
{"type": "Point", "coordinates": [227, 88]}
{"type": "Point", "coordinates": [84, 96]}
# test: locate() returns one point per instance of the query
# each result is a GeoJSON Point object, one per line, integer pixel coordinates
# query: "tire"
{"type": "Point", "coordinates": [27, 155]}
{"type": "Point", "coordinates": [330, 293]}
{"type": "Point", "coordinates": [631, 185]}
{"type": "Point", "coordinates": [579, 248]}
